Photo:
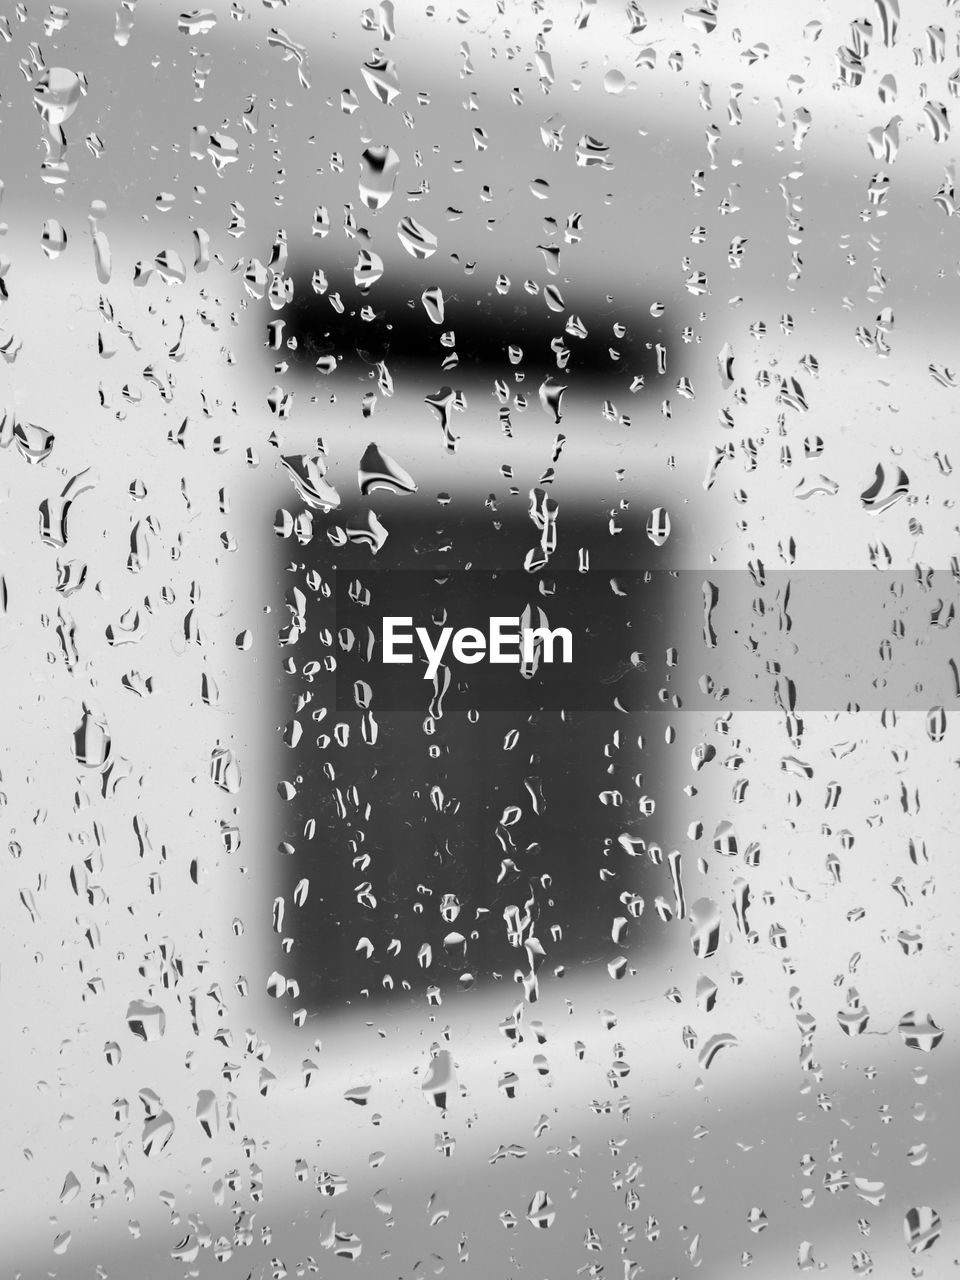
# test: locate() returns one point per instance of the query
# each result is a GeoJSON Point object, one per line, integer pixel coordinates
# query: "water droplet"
{"type": "Point", "coordinates": [199, 22]}
{"type": "Point", "coordinates": [551, 398]}
{"type": "Point", "coordinates": [936, 724]}
{"type": "Point", "coordinates": [854, 1019]}
{"type": "Point", "coordinates": [208, 1112]}
{"type": "Point", "coordinates": [723, 1040]}
{"type": "Point", "coordinates": [225, 770]}
{"type": "Point", "coordinates": [380, 471]}
{"type": "Point", "coordinates": [540, 1211]}
{"type": "Point", "coordinates": [885, 490]}
{"type": "Point", "coordinates": [704, 928]}
{"type": "Point", "coordinates": [367, 531]}
{"type": "Point", "coordinates": [379, 169]}
{"type": "Point", "coordinates": [703, 19]}
{"type": "Point", "coordinates": [591, 152]}
{"type": "Point", "coordinates": [307, 474]}
{"type": "Point", "coordinates": [157, 1132]}
{"type": "Point", "coordinates": [921, 1228]}
{"type": "Point", "coordinates": [33, 443]}
{"type": "Point", "coordinates": [70, 1189]}
{"type": "Point", "coordinates": [57, 93]}
{"type": "Point", "coordinates": [874, 1192]}
{"type": "Point", "coordinates": [223, 150]}
{"type": "Point", "coordinates": [418, 241]}
{"type": "Point", "coordinates": [54, 511]}
{"type": "Point", "coordinates": [146, 1020]}
{"type": "Point", "coordinates": [91, 741]}
{"type": "Point", "coordinates": [658, 526]}
{"type": "Point", "coordinates": [53, 238]}
{"type": "Point", "coordinates": [380, 76]}
{"type": "Point", "coordinates": [433, 304]}
{"type": "Point", "coordinates": [919, 1031]}
{"type": "Point", "coordinates": [367, 270]}
{"type": "Point", "coordinates": [440, 1079]}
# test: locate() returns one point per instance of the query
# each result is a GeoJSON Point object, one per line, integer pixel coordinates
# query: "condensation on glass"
{"type": "Point", "coordinates": [647, 308]}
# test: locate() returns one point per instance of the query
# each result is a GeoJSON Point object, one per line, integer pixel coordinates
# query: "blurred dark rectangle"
{"type": "Point", "coordinates": [470, 849]}
{"type": "Point", "coordinates": [478, 331]}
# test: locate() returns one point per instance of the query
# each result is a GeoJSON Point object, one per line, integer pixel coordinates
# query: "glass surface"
{"type": "Point", "coordinates": [635, 316]}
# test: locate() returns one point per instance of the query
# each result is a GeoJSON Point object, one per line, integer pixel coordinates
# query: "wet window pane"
{"type": "Point", "coordinates": [478, 593]}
